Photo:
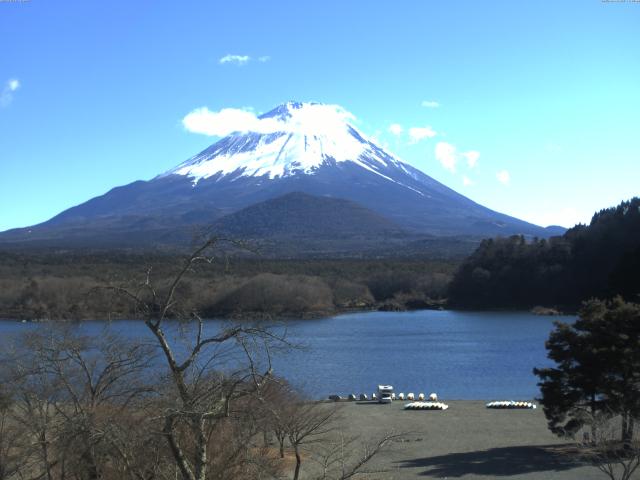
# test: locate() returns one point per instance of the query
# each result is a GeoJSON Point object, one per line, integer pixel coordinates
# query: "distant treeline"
{"type": "Point", "coordinates": [599, 260]}
{"type": "Point", "coordinates": [67, 285]}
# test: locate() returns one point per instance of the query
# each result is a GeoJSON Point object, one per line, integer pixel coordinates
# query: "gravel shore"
{"type": "Point", "coordinates": [466, 441]}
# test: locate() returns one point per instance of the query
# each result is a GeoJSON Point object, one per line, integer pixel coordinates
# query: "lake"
{"type": "Point", "coordinates": [459, 355]}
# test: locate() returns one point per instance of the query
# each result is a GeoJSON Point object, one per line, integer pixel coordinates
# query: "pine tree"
{"type": "Point", "coordinates": [597, 368]}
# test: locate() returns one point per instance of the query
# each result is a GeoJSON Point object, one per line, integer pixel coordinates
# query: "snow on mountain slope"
{"type": "Point", "coordinates": [306, 148]}
{"type": "Point", "coordinates": [295, 138]}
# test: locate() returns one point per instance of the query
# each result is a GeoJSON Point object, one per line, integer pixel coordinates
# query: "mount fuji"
{"type": "Point", "coordinates": [300, 160]}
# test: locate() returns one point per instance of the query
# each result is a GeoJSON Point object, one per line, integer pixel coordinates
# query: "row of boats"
{"type": "Point", "coordinates": [510, 404]}
{"type": "Point", "coordinates": [426, 406]}
{"type": "Point", "coordinates": [386, 394]}
{"type": "Point", "coordinates": [505, 404]}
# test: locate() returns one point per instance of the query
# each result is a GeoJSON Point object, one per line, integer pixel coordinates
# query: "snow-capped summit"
{"type": "Point", "coordinates": [298, 161]}
{"type": "Point", "coordinates": [293, 138]}
{"type": "Point", "coordinates": [283, 111]}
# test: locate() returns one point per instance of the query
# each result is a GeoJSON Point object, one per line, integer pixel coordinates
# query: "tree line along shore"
{"type": "Point", "coordinates": [65, 286]}
{"type": "Point", "coordinates": [599, 260]}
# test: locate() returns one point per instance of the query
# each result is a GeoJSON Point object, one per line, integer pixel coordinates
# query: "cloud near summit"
{"type": "Point", "coordinates": [312, 119]}
{"type": "Point", "coordinates": [226, 121]}
{"type": "Point", "coordinates": [420, 133]}
{"type": "Point", "coordinates": [448, 156]}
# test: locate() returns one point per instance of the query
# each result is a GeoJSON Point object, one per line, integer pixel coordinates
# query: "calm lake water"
{"type": "Point", "coordinates": [459, 355]}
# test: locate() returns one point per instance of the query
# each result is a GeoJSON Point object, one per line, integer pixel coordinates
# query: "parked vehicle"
{"type": "Point", "coordinates": [385, 393]}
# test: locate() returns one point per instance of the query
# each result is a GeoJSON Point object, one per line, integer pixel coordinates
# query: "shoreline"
{"type": "Point", "coordinates": [319, 315]}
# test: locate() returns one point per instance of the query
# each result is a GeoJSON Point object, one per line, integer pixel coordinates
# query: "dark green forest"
{"type": "Point", "coordinates": [600, 260]}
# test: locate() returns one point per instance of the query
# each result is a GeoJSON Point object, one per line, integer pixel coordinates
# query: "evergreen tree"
{"type": "Point", "coordinates": [599, 260]}
{"type": "Point", "coordinates": [597, 368]}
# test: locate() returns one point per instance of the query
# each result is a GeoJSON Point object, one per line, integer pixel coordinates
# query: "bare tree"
{"type": "Point", "coordinates": [33, 410]}
{"type": "Point", "coordinates": [307, 423]}
{"type": "Point", "coordinates": [605, 450]}
{"type": "Point", "coordinates": [12, 439]}
{"type": "Point", "coordinates": [277, 400]}
{"type": "Point", "coordinates": [88, 408]}
{"type": "Point", "coordinates": [71, 394]}
{"type": "Point", "coordinates": [206, 378]}
{"type": "Point", "coordinates": [340, 457]}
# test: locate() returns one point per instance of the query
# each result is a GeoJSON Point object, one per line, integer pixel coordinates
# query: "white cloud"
{"type": "Point", "coordinates": [226, 121]}
{"type": "Point", "coordinates": [395, 128]}
{"type": "Point", "coordinates": [446, 155]}
{"type": "Point", "coordinates": [420, 133]}
{"type": "Point", "coordinates": [241, 60]}
{"type": "Point", "coordinates": [320, 119]}
{"type": "Point", "coordinates": [466, 181]}
{"type": "Point", "coordinates": [315, 119]}
{"type": "Point", "coordinates": [472, 157]}
{"type": "Point", "coordinates": [503, 177]}
{"type": "Point", "coordinates": [430, 104]}
{"type": "Point", "coordinates": [237, 59]}
{"type": "Point", "coordinates": [6, 96]}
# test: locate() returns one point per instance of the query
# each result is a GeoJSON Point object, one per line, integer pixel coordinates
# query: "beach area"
{"type": "Point", "coordinates": [467, 441]}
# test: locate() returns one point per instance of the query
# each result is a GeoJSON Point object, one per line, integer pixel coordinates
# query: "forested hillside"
{"type": "Point", "coordinates": [62, 286]}
{"type": "Point", "coordinates": [598, 260]}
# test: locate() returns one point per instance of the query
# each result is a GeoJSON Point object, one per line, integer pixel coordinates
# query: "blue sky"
{"type": "Point", "coordinates": [544, 95]}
